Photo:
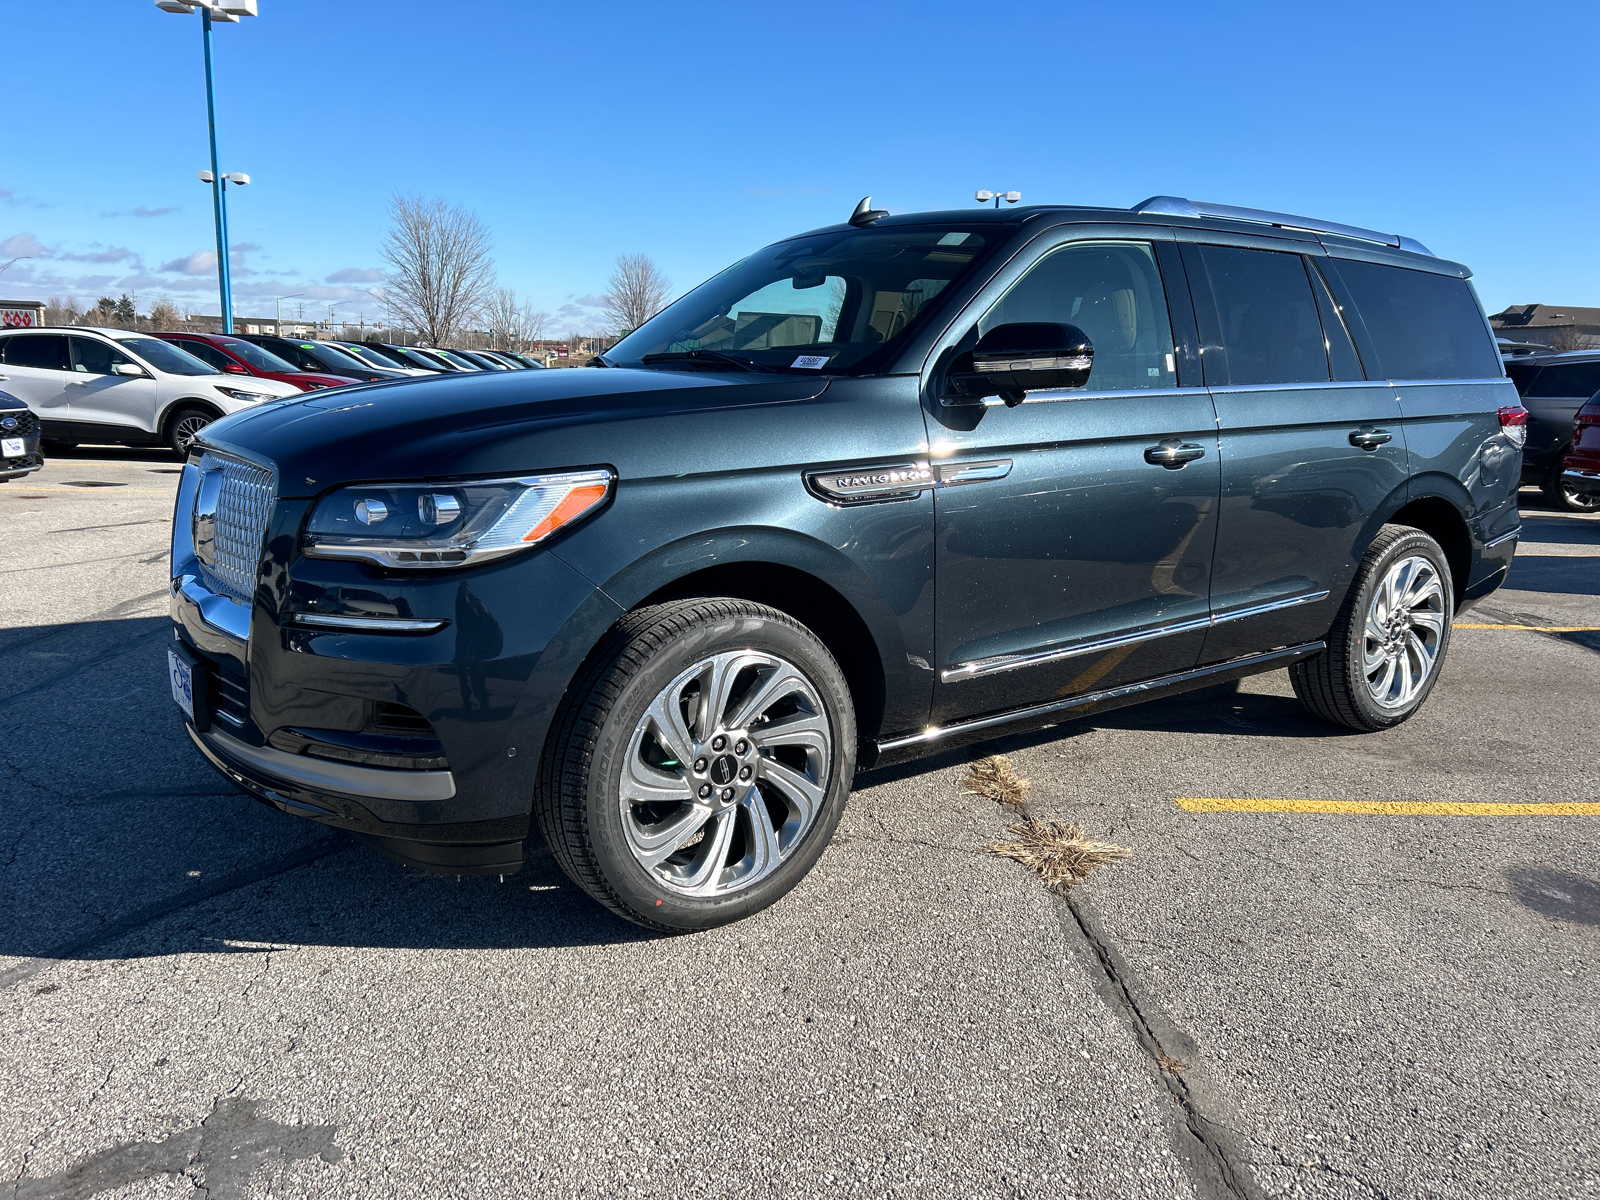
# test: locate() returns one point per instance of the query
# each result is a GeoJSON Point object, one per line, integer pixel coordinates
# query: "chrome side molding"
{"type": "Point", "coordinates": [1248, 665]}
{"type": "Point", "coordinates": [324, 775]}
{"type": "Point", "coordinates": [367, 624]}
{"type": "Point", "coordinates": [1011, 662]}
{"type": "Point", "coordinates": [850, 486]}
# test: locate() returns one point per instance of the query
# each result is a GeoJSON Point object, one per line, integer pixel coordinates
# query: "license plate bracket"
{"type": "Point", "coordinates": [186, 672]}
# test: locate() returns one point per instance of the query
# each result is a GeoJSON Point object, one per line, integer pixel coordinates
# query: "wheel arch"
{"type": "Point", "coordinates": [1437, 507]}
{"type": "Point", "coordinates": [164, 422]}
{"type": "Point", "coordinates": [807, 579]}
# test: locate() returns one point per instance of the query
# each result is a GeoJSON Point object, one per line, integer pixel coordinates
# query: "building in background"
{"type": "Point", "coordinates": [21, 314]}
{"type": "Point", "coordinates": [1561, 327]}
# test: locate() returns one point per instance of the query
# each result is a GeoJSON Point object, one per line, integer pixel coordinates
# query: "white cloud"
{"type": "Point", "coordinates": [356, 275]}
{"type": "Point", "coordinates": [201, 262]}
{"type": "Point", "coordinates": [22, 245]}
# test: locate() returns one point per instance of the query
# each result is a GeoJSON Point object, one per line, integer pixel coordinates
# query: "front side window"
{"type": "Point", "coordinates": [836, 302]}
{"type": "Point", "coordinates": [1110, 290]}
{"type": "Point", "coordinates": [94, 357]}
{"type": "Point", "coordinates": [165, 357]}
{"type": "Point", "coordinates": [1269, 330]}
{"type": "Point", "coordinates": [209, 354]}
{"type": "Point", "coordinates": [253, 354]}
{"type": "Point", "coordinates": [44, 351]}
{"type": "Point", "coordinates": [1424, 326]}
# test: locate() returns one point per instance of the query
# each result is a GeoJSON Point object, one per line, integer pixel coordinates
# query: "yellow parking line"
{"type": "Point", "coordinates": [1397, 808]}
{"type": "Point", "coordinates": [1537, 628]}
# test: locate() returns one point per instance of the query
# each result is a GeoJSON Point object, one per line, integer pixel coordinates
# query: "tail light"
{"type": "Point", "coordinates": [1514, 424]}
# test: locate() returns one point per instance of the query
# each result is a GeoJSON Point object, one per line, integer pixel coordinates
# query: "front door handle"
{"type": "Point", "coordinates": [1369, 437]}
{"type": "Point", "coordinates": [1173, 454]}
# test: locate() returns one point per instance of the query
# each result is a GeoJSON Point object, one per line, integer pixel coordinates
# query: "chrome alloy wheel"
{"type": "Point", "coordinates": [187, 429]}
{"type": "Point", "coordinates": [725, 773]}
{"type": "Point", "coordinates": [1405, 627]}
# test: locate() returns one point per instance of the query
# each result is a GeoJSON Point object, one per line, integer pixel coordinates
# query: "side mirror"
{"type": "Point", "coordinates": [131, 370]}
{"type": "Point", "coordinates": [1011, 360]}
{"type": "Point", "coordinates": [234, 368]}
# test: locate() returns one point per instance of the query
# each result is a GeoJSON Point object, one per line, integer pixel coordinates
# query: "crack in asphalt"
{"type": "Point", "coordinates": [1219, 1170]}
{"type": "Point", "coordinates": [136, 642]}
{"type": "Point", "coordinates": [150, 913]}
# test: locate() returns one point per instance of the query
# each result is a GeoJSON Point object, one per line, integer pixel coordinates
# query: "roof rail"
{"type": "Point", "coordinates": [1177, 206]}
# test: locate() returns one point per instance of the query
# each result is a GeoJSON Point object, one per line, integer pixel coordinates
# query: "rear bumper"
{"type": "Point", "coordinates": [1585, 483]}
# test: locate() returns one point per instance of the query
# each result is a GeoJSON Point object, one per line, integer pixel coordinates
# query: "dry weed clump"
{"type": "Point", "coordinates": [995, 778]}
{"type": "Point", "coordinates": [1057, 852]}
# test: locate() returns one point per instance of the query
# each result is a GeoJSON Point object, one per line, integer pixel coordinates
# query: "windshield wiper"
{"type": "Point", "coordinates": [709, 358]}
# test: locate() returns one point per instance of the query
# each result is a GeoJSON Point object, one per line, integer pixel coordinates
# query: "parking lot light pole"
{"type": "Point", "coordinates": [229, 11]}
{"type": "Point", "coordinates": [984, 196]}
{"type": "Point", "coordinates": [277, 312]}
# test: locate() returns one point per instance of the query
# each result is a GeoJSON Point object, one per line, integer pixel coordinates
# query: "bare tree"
{"type": "Point", "coordinates": [638, 291]}
{"type": "Point", "coordinates": [513, 323]}
{"type": "Point", "coordinates": [1567, 337]}
{"type": "Point", "coordinates": [441, 272]}
{"type": "Point", "coordinates": [536, 320]}
{"type": "Point", "coordinates": [164, 315]}
{"type": "Point", "coordinates": [62, 312]}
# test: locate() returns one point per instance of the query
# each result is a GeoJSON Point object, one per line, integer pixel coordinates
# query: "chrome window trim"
{"type": "Point", "coordinates": [981, 667]}
{"type": "Point", "coordinates": [320, 774]}
{"type": "Point", "coordinates": [1315, 385]}
{"type": "Point", "coordinates": [367, 624]}
{"type": "Point", "coordinates": [1056, 395]}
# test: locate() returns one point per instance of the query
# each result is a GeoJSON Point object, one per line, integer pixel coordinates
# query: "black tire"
{"type": "Point", "coordinates": [1333, 684]}
{"type": "Point", "coordinates": [183, 425]}
{"type": "Point", "coordinates": [578, 798]}
{"type": "Point", "coordinates": [1560, 495]}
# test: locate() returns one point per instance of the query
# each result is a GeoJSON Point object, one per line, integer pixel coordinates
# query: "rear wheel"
{"type": "Point", "coordinates": [1389, 640]}
{"type": "Point", "coordinates": [184, 426]}
{"type": "Point", "coordinates": [1561, 494]}
{"type": "Point", "coordinates": [700, 767]}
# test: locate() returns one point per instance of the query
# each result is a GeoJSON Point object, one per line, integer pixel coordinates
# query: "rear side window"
{"type": "Point", "coordinates": [1423, 326]}
{"type": "Point", "coordinates": [1566, 380]}
{"type": "Point", "coordinates": [46, 351]}
{"type": "Point", "coordinates": [208, 354]}
{"type": "Point", "coordinates": [1522, 374]}
{"type": "Point", "coordinates": [1269, 327]}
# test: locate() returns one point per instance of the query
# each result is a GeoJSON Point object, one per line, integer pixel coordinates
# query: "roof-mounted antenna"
{"type": "Point", "coordinates": [865, 214]}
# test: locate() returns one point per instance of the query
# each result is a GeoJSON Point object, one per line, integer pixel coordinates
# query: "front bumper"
{"type": "Point", "coordinates": [481, 684]}
{"type": "Point", "coordinates": [16, 468]}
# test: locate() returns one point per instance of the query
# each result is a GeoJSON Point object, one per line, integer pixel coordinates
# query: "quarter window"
{"type": "Point", "coordinates": [1111, 291]}
{"type": "Point", "coordinates": [45, 351]}
{"type": "Point", "coordinates": [1423, 326]}
{"type": "Point", "coordinates": [1269, 329]}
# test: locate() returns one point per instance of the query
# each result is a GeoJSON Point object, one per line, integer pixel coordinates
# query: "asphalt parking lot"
{"type": "Point", "coordinates": [203, 996]}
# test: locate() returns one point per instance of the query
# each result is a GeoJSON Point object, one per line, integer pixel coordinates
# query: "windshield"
{"type": "Point", "coordinates": [261, 360]}
{"type": "Point", "coordinates": [332, 357]}
{"type": "Point", "coordinates": [371, 357]}
{"type": "Point", "coordinates": [450, 356]}
{"type": "Point", "coordinates": [164, 356]}
{"type": "Point", "coordinates": [827, 302]}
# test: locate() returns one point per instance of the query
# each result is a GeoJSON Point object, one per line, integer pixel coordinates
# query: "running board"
{"type": "Point", "coordinates": [1054, 712]}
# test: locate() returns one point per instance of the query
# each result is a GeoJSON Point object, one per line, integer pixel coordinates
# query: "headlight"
{"type": "Point", "coordinates": [241, 394]}
{"type": "Point", "coordinates": [416, 525]}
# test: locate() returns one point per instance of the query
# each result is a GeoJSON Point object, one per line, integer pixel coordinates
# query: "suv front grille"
{"type": "Point", "coordinates": [244, 506]}
{"type": "Point", "coordinates": [27, 424]}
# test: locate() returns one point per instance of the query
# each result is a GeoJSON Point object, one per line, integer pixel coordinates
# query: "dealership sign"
{"type": "Point", "coordinates": [21, 314]}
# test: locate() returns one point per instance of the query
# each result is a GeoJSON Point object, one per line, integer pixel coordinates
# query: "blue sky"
{"type": "Point", "coordinates": [696, 133]}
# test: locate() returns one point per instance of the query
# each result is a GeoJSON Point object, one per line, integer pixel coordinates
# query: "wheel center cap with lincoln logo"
{"type": "Point", "coordinates": [723, 768]}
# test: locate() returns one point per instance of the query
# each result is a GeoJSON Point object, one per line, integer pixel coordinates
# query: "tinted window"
{"type": "Point", "coordinates": [1342, 356]}
{"type": "Point", "coordinates": [257, 357]}
{"type": "Point", "coordinates": [1567, 379]}
{"type": "Point", "coordinates": [1111, 291]}
{"type": "Point", "coordinates": [330, 358]}
{"type": "Point", "coordinates": [165, 357]}
{"type": "Point", "coordinates": [207, 353]}
{"type": "Point", "coordinates": [1268, 324]}
{"type": "Point", "coordinates": [47, 351]}
{"type": "Point", "coordinates": [95, 357]}
{"type": "Point", "coordinates": [1424, 326]}
{"type": "Point", "coordinates": [1522, 374]}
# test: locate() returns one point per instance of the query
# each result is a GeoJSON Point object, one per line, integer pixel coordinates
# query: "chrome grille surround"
{"type": "Point", "coordinates": [244, 506]}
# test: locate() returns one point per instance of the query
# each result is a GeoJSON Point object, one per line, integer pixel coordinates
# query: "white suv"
{"type": "Point", "coordinates": [112, 385]}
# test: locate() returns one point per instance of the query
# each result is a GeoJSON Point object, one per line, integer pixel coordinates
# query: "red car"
{"type": "Point", "coordinates": [239, 357]}
{"type": "Point", "coordinates": [1581, 470]}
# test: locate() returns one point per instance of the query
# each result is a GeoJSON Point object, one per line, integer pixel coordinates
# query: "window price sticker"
{"type": "Point", "coordinates": [813, 362]}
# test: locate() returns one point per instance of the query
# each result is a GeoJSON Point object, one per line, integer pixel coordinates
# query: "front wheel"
{"type": "Point", "coordinates": [1562, 495]}
{"type": "Point", "coordinates": [184, 427]}
{"type": "Point", "coordinates": [701, 764]}
{"type": "Point", "coordinates": [1389, 640]}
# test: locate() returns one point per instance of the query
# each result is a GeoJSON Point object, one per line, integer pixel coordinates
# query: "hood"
{"type": "Point", "coordinates": [321, 380]}
{"type": "Point", "coordinates": [643, 422]}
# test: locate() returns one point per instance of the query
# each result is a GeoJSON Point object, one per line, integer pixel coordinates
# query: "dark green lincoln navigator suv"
{"type": "Point", "coordinates": [871, 492]}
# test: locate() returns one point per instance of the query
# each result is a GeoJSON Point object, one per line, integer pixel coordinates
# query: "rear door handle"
{"type": "Point", "coordinates": [1173, 454]}
{"type": "Point", "coordinates": [1369, 437]}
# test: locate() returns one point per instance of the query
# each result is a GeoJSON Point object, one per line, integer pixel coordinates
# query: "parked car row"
{"type": "Point", "coordinates": [90, 384]}
{"type": "Point", "coordinates": [1553, 387]}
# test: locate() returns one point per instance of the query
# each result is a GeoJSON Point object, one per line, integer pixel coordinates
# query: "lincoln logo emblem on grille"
{"type": "Point", "coordinates": [205, 517]}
